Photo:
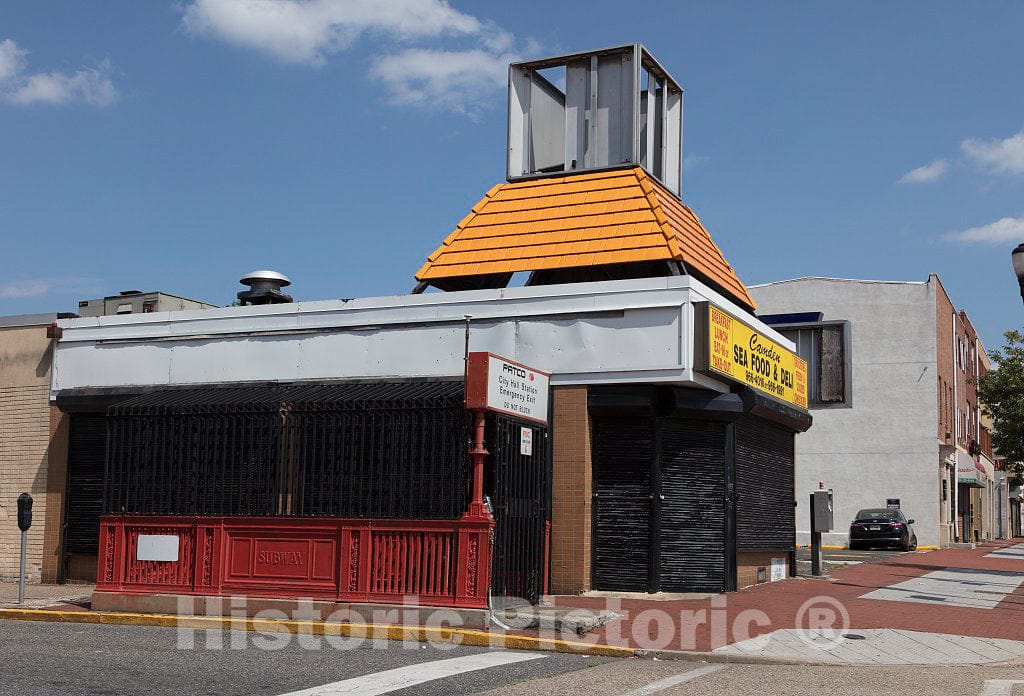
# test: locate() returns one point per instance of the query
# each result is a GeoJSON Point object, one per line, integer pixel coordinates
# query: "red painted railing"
{"type": "Point", "coordinates": [440, 562]}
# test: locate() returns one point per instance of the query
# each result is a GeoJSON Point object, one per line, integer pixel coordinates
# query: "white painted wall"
{"type": "Point", "coordinates": [621, 331]}
{"type": "Point", "coordinates": [884, 446]}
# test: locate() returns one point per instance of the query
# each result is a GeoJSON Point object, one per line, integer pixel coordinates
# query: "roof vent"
{"type": "Point", "coordinates": [264, 288]}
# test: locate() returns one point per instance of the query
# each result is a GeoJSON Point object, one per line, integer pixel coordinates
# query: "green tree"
{"type": "Point", "coordinates": [1001, 394]}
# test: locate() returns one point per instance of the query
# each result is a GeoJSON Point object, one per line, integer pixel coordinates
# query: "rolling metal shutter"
{"type": "Point", "coordinates": [87, 447]}
{"type": "Point", "coordinates": [693, 528]}
{"type": "Point", "coordinates": [765, 518]}
{"type": "Point", "coordinates": [623, 449]}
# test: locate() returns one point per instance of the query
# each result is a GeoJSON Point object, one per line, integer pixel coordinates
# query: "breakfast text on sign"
{"type": "Point", "coordinates": [743, 354]}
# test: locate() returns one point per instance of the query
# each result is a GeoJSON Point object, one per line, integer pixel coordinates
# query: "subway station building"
{"type": "Point", "coordinates": [323, 449]}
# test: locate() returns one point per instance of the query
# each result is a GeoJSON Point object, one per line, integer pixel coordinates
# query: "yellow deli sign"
{"type": "Point", "coordinates": [740, 353]}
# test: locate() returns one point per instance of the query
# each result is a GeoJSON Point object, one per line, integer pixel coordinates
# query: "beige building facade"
{"type": "Point", "coordinates": [25, 436]}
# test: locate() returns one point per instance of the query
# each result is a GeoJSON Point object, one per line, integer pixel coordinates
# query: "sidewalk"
{"type": "Point", "coordinates": [954, 606]}
{"type": "Point", "coordinates": [973, 593]}
{"type": "Point", "coordinates": [73, 597]}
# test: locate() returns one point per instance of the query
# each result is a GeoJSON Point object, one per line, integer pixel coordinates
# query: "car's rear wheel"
{"type": "Point", "coordinates": [905, 545]}
{"type": "Point", "coordinates": [913, 544]}
{"type": "Point", "coordinates": [854, 546]}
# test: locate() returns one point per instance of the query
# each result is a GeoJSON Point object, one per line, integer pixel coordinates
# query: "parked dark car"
{"type": "Point", "coordinates": [882, 527]}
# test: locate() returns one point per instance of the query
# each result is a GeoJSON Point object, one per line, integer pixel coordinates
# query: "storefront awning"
{"type": "Point", "coordinates": [970, 471]}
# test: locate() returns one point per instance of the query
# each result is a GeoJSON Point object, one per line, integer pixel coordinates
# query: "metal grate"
{"type": "Point", "coordinates": [693, 525]}
{"type": "Point", "coordinates": [623, 452]}
{"type": "Point", "coordinates": [86, 452]}
{"type": "Point", "coordinates": [765, 517]}
{"type": "Point", "coordinates": [518, 486]}
{"type": "Point", "coordinates": [382, 450]}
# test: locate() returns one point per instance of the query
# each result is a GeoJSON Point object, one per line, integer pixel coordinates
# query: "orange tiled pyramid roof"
{"type": "Point", "coordinates": [578, 220]}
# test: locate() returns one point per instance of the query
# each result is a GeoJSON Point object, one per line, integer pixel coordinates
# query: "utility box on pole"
{"type": "Point", "coordinates": [821, 521]}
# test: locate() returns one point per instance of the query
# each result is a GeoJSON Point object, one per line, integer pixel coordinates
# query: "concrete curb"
{"type": "Point", "coordinates": [459, 636]}
{"type": "Point", "coordinates": [319, 628]}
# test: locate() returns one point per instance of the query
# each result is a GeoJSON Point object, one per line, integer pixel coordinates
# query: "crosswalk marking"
{"type": "Point", "coordinates": [404, 677]}
{"type": "Point", "coordinates": [999, 687]}
{"type": "Point", "coordinates": [1012, 552]}
{"type": "Point", "coordinates": [668, 682]}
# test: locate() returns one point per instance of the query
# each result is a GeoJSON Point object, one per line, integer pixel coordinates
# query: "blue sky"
{"type": "Point", "coordinates": [176, 146]}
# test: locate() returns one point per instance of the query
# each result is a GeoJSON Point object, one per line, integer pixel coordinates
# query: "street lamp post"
{"type": "Point", "coordinates": [1018, 266]}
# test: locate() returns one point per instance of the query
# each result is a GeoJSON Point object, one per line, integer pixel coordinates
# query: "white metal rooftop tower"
{"type": "Point", "coordinates": [606, 109]}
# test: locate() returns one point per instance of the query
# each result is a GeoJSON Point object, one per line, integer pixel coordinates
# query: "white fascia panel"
{"type": "Point", "coordinates": [638, 330]}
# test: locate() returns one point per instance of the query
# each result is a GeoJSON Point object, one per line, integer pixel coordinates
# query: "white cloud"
{"type": "Point", "coordinates": [691, 162]}
{"type": "Point", "coordinates": [1008, 229]}
{"type": "Point", "coordinates": [307, 31]}
{"type": "Point", "coordinates": [12, 60]}
{"type": "Point", "coordinates": [26, 289]}
{"type": "Point", "coordinates": [457, 78]}
{"type": "Point", "coordinates": [90, 85]}
{"type": "Point", "coordinates": [39, 287]}
{"type": "Point", "coordinates": [999, 156]}
{"type": "Point", "coordinates": [925, 174]}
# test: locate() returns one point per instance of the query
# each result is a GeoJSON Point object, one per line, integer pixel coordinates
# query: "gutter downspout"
{"type": "Point", "coordinates": [956, 429]}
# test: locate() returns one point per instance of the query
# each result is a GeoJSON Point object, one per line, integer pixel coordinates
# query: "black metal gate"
{"type": "Point", "coordinates": [692, 499]}
{"type": "Point", "coordinates": [518, 485]}
{"type": "Point", "coordinates": [622, 454]}
{"type": "Point", "coordinates": [660, 504]}
{"type": "Point", "coordinates": [87, 446]}
{"type": "Point", "coordinates": [384, 449]}
{"type": "Point", "coordinates": [764, 486]}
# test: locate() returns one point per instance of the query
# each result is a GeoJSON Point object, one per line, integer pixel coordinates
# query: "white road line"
{"type": "Point", "coordinates": [667, 682]}
{"type": "Point", "coordinates": [404, 677]}
{"type": "Point", "coordinates": [999, 687]}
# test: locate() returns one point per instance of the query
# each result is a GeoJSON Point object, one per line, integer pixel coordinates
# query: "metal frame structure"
{"type": "Point", "coordinates": [601, 120]}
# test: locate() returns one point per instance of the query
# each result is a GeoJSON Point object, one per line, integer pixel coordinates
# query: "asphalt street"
{"type": "Point", "coordinates": [48, 658]}
{"type": "Point", "coordinates": [838, 558]}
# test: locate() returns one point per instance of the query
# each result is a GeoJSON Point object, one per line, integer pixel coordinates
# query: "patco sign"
{"type": "Point", "coordinates": [497, 384]}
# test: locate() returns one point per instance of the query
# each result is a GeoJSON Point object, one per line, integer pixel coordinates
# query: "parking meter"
{"type": "Point", "coordinates": [24, 512]}
{"type": "Point", "coordinates": [24, 522]}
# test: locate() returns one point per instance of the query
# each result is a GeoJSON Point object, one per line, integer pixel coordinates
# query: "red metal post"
{"type": "Point", "coordinates": [478, 454]}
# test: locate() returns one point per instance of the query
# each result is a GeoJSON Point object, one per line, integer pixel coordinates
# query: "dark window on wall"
{"type": "Point", "coordinates": [824, 349]}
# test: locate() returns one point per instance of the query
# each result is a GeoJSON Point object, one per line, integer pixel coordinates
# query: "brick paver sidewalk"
{"type": "Point", "coordinates": [707, 624]}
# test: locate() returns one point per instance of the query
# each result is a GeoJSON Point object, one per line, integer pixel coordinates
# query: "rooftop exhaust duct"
{"type": "Point", "coordinates": [264, 288]}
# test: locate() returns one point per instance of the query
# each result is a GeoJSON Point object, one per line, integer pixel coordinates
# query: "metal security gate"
{"type": "Point", "coordinates": [518, 485]}
{"type": "Point", "coordinates": [87, 445]}
{"type": "Point", "coordinates": [660, 504]}
{"type": "Point", "coordinates": [391, 450]}
{"type": "Point", "coordinates": [765, 517]}
{"type": "Point", "coordinates": [693, 530]}
{"type": "Point", "coordinates": [622, 455]}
